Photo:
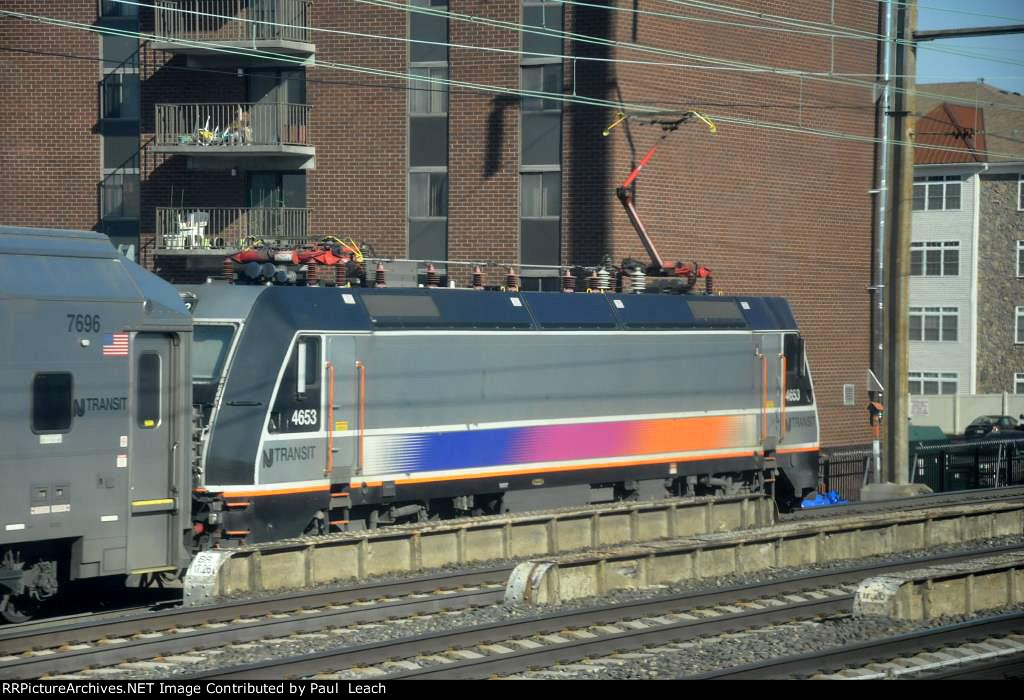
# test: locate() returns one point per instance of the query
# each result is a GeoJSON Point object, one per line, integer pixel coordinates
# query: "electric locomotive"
{"type": "Point", "coordinates": [332, 408]}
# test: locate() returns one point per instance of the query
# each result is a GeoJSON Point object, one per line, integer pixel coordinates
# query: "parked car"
{"type": "Point", "coordinates": [983, 425]}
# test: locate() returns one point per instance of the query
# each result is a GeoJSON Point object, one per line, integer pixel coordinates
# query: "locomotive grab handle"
{"type": "Point", "coordinates": [764, 398]}
{"type": "Point", "coordinates": [362, 414]}
{"type": "Point", "coordinates": [330, 419]}
{"type": "Point", "coordinates": [782, 399]}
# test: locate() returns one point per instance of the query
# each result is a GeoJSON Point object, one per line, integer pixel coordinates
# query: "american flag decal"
{"type": "Point", "coordinates": [115, 345]}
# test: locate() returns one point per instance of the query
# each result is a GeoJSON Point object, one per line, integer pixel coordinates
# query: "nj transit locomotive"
{"type": "Point", "coordinates": [307, 409]}
{"type": "Point", "coordinates": [94, 369]}
{"type": "Point", "coordinates": [336, 408]}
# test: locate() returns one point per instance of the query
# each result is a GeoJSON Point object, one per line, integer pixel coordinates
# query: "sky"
{"type": "Point", "coordinates": [934, 65]}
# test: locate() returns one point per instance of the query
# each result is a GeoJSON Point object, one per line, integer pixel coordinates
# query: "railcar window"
{"type": "Point", "coordinates": [51, 402]}
{"type": "Point", "coordinates": [297, 407]}
{"type": "Point", "coordinates": [210, 345]}
{"type": "Point", "coordinates": [148, 390]}
{"type": "Point", "coordinates": [798, 385]}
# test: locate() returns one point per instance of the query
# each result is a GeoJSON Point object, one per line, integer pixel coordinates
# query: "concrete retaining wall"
{"type": "Point", "coordinates": [952, 589]}
{"type": "Point", "coordinates": [308, 562]}
{"type": "Point", "coordinates": [554, 580]}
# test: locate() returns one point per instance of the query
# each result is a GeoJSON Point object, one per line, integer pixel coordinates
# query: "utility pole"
{"type": "Point", "coordinates": [897, 272]}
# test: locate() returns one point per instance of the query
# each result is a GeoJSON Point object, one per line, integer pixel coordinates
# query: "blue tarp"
{"type": "Point", "coordinates": [832, 498]}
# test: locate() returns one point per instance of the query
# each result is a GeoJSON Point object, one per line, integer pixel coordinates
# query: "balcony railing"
{"type": "Point", "coordinates": [231, 125]}
{"type": "Point", "coordinates": [180, 229]}
{"type": "Point", "coordinates": [233, 20]}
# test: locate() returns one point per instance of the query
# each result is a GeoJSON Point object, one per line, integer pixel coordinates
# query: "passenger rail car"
{"type": "Point", "coordinates": [321, 407]}
{"type": "Point", "coordinates": [94, 370]}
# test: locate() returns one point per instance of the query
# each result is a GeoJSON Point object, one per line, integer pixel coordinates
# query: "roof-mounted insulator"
{"type": "Point", "coordinates": [378, 276]}
{"type": "Point", "coordinates": [478, 278]}
{"type": "Point", "coordinates": [568, 281]}
{"type": "Point", "coordinates": [229, 270]}
{"type": "Point", "coordinates": [511, 281]}
{"type": "Point", "coordinates": [592, 281]}
{"type": "Point", "coordinates": [637, 280]}
{"type": "Point", "coordinates": [433, 279]}
{"type": "Point", "coordinates": [709, 286]}
{"type": "Point", "coordinates": [312, 273]}
{"type": "Point", "coordinates": [340, 273]}
{"type": "Point", "coordinates": [603, 280]}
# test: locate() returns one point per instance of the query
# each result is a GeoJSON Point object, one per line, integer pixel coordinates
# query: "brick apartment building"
{"type": "Point", "coordinates": [101, 131]}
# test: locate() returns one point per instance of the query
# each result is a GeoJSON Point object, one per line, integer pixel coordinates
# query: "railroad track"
{"type": "Point", "coordinates": [518, 645]}
{"type": "Point", "coordinates": [33, 653]}
{"type": "Point", "coordinates": [902, 655]}
{"type": "Point", "coordinates": [912, 503]}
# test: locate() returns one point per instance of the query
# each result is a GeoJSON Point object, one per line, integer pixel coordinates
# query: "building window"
{"type": "Point", "coordinates": [935, 258]}
{"type": "Point", "coordinates": [427, 204]}
{"type": "Point", "coordinates": [112, 8]}
{"type": "Point", "coordinates": [1018, 331]}
{"type": "Point", "coordinates": [51, 402]}
{"type": "Point", "coordinates": [932, 383]}
{"type": "Point", "coordinates": [540, 170]}
{"type": "Point", "coordinates": [119, 194]}
{"type": "Point", "coordinates": [1018, 383]}
{"type": "Point", "coordinates": [937, 192]}
{"type": "Point", "coordinates": [1020, 258]}
{"type": "Point", "coordinates": [933, 323]}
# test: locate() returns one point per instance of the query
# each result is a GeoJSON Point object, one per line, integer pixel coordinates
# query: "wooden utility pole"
{"type": "Point", "coordinates": [897, 271]}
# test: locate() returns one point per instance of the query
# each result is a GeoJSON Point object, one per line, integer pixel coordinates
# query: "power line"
{"type": "Point", "coordinates": [897, 3]}
{"type": "Point", "coordinates": [751, 67]}
{"type": "Point", "coordinates": [723, 64]}
{"type": "Point", "coordinates": [496, 89]}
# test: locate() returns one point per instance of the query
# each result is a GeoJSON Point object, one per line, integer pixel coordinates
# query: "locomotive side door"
{"type": "Point", "coordinates": [152, 453]}
{"type": "Point", "coordinates": [343, 408]}
{"type": "Point", "coordinates": [768, 356]}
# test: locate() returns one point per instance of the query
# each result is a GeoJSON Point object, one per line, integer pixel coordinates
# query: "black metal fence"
{"type": "Point", "coordinates": [845, 470]}
{"type": "Point", "coordinates": [947, 465]}
{"type": "Point", "coordinates": [977, 464]}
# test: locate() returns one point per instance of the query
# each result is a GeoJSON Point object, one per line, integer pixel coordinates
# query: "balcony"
{"type": "Point", "coordinates": [205, 30]}
{"type": "Point", "coordinates": [226, 135]}
{"type": "Point", "coordinates": [216, 230]}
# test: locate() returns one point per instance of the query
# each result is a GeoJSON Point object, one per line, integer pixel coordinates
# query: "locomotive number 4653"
{"type": "Point", "coordinates": [304, 416]}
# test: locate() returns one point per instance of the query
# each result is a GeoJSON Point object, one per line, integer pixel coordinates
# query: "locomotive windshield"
{"type": "Point", "coordinates": [210, 345]}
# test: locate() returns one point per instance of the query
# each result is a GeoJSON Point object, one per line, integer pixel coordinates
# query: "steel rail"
{"type": "Point", "coordinates": [320, 662]}
{"type": "Point", "coordinates": [876, 650]}
{"type": "Point", "coordinates": [251, 629]}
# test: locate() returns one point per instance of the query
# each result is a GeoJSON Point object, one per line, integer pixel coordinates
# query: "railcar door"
{"type": "Point", "coordinates": [152, 453]}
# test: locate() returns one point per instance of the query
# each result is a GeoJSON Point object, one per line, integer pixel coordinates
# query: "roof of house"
{"type": "Point", "coordinates": [951, 126]}
{"type": "Point", "coordinates": [996, 116]}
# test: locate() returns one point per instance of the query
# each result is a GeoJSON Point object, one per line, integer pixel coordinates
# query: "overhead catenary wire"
{"type": "Point", "coordinates": [494, 89]}
{"type": "Point", "coordinates": [716, 63]}
{"type": "Point", "coordinates": [898, 3]}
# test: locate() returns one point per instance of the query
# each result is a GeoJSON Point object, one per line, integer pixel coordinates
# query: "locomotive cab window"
{"type": "Point", "coordinates": [298, 403]}
{"type": "Point", "coordinates": [51, 402]}
{"type": "Point", "coordinates": [147, 388]}
{"type": "Point", "coordinates": [798, 384]}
